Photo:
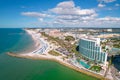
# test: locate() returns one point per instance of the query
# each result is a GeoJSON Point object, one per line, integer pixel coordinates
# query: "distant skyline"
{"type": "Point", "coordinates": [60, 13]}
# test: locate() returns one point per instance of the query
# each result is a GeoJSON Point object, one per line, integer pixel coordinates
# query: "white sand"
{"type": "Point", "coordinates": [34, 55]}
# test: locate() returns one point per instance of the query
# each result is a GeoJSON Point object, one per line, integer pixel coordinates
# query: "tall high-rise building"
{"type": "Point", "coordinates": [91, 49]}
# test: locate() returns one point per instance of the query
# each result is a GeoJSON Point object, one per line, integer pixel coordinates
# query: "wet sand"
{"type": "Point", "coordinates": [44, 57]}
{"type": "Point", "coordinates": [35, 45]}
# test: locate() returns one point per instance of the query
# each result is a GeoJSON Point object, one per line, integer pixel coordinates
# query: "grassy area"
{"type": "Point", "coordinates": [95, 68]}
{"type": "Point", "coordinates": [115, 42]}
{"type": "Point", "coordinates": [59, 41]}
{"type": "Point", "coordinates": [116, 45]}
{"type": "Point", "coordinates": [69, 38]}
{"type": "Point", "coordinates": [73, 49]}
{"type": "Point", "coordinates": [54, 53]}
{"type": "Point", "coordinates": [68, 46]}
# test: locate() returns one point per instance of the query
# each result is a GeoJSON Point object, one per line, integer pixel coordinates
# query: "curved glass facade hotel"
{"type": "Point", "coordinates": [91, 49]}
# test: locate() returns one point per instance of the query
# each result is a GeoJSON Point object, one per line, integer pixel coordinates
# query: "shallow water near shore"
{"type": "Point", "coordinates": [15, 40]}
{"type": "Point", "coordinates": [12, 68]}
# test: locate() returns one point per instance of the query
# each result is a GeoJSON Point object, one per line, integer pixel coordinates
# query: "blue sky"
{"type": "Point", "coordinates": [59, 13]}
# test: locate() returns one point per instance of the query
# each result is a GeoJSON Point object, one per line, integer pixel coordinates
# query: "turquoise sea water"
{"type": "Point", "coordinates": [12, 68]}
{"type": "Point", "coordinates": [16, 40]}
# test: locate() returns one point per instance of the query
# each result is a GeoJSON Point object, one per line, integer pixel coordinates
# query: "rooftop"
{"type": "Point", "coordinates": [91, 38]}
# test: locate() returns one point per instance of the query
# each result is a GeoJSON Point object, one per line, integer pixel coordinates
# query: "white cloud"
{"type": "Point", "coordinates": [117, 4]}
{"type": "Point", "coordinates": [110, 8]}
{"type": "Point", "coordinates": [109, 19]}
{"type": "Point", "coordinates": [71, 15]}
{"type": "Point", "coordinates": [107, 22]}
{"type": "Point", "coordinates": [35, 14]}
{"type": "Point", "coordinates": [66, 4]}
{"type": "Point", "coordinates": [40, 19]}
{"type": "Point", "coordinates": [68, 15]}
{"type": "Point", "coordinates": [68, 8]}
{"type": "Point", "coordinates": [101, 5]}
{"type": "Point", "coordinates": [106, 1]}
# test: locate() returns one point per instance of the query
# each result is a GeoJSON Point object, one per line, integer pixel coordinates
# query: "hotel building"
{"type": "Point", "coordinates": [91, 49]}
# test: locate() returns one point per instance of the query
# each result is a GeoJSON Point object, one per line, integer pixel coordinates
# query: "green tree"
{"type": "Point", "coordinates": [69, 38]}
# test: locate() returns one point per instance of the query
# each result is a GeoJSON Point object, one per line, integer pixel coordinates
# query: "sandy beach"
{"type": "Point", "coordinates": [39, 42]}
{"type": "Point", "coordinates": [53, 58]}
{"type": "Point", "coordinates": [31, 33]}
{"type": "Point", "coordinates": [108, 35]}
{"type": "Point", "coordinates": [35, 43]}
{"type": "Point", "coordinates": [41, 53]}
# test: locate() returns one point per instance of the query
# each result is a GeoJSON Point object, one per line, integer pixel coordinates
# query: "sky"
{"type": "Point", "coordinates": [59, 13]}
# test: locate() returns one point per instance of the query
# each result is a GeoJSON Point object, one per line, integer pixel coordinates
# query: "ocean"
{"type": "Point", "coordinates": [11, 68]}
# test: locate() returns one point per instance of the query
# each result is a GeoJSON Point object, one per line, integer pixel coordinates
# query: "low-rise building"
{"type": "Point", "coordinates": [55, 33]}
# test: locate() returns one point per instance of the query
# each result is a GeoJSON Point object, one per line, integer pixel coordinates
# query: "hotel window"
{"type": "Point", "coordinates": [104, 57]}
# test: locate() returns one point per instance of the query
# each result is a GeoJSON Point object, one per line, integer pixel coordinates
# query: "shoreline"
{"type": "Point", "coordinates": [44, 57]}
{"type": "Point", "coordinates": [36, 42]}
{"type": "Point", "coordinates": [33, 37]}
{"type": "Point", "coordinates": [37, 54]}
{"type": "Point", "coordinates": [35, 45]}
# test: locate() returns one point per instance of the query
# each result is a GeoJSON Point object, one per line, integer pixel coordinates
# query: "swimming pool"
{"type": "Point", "coordinates": [84, 64]}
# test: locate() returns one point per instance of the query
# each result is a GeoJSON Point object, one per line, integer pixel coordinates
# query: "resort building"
{"type": "Point", "coordinates": [91, 49]}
